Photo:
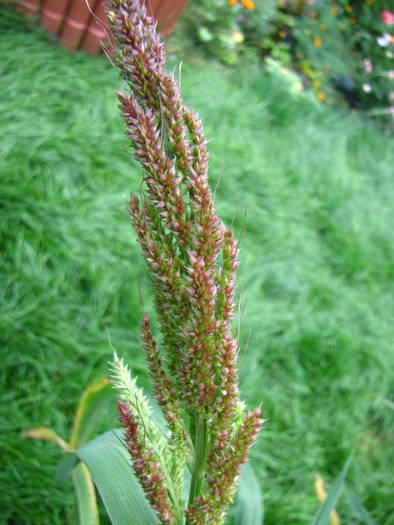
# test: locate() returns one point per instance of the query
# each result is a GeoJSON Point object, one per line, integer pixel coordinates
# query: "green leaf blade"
{"type": "Point", "coordinates": [323, 515]}
{"type": "Point", "coordinates": [110, 467]}
{"type": "Point", "coordinates": [89, 410]}
{"type": "Point", "coordinates": [357, 507]}
{"type": "Point", "coordinates": [249, 508]}
{"type": "Point", "coordinates": [86, 496]}
{"type": "Point", "coordinates": [66, 467]}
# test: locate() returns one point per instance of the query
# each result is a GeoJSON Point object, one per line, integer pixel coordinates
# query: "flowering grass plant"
{"type": "Point", "coordinates": [317, 185]}
{"type": "Point", "coordinates": [192, 260]}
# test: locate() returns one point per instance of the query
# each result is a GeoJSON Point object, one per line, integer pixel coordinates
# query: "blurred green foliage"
{"type": "Point", "coordinates": [333, 45]}
{"type": "Point", "coordinates": [228, 32]}
{"type": "Point", "coordinates": [341, 49]}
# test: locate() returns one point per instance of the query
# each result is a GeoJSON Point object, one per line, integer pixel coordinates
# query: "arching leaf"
{"type": "Point", "coordinates": [110, 467]}
{"type": "Point", "coordinates": [89, 410]}
{"type": "Point", "coordinates": [86, 496]}
{"type": "Point", "coordinates": [323, 515]}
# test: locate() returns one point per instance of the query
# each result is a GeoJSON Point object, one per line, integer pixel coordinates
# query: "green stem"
{"type": "Point", "coordinates": [200, 448]}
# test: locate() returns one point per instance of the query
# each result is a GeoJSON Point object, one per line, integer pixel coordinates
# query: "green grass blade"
{"type": "Point", "coordinates": [357, 507]}
{"type": "Point", "coordinates": [249, 502]}
{"type": "Point", "coordinates": [323, 515]}
{"type": "Point", "coordinates": [86, 496]}
{"type": "Point", "coordinates": [89, 410]}
{"type": "Point", "coordinates": [110, 467]}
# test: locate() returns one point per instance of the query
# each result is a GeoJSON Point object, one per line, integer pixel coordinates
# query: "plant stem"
{"type": "Point", "coordinates": [200, 447]}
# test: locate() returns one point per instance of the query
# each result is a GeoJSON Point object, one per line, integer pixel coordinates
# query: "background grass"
{"type": "Point", "coordinates": [316, 273]}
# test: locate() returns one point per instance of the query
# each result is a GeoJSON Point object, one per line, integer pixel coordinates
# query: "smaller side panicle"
{"type": "Point", "coordinates": [224, 468]}
{"type": "Point", "coordinates": [146, 465]}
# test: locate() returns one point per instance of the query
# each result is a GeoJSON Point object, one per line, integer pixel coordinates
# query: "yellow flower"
{"type": "Point", "coordinates": [237, 37]}
{"type": "Point", "coordinates": [323, 27]}
{"type": "Point", "coordinates": [317, 41]}
{"type": "Point", "coordinates": [352, 20]}
{"type": "Point", "coordinates": [317, 84]}
{"type": "Point", "coordinates": [348, 9]}
{"type": "Point", "coordinates": [248, 4]}
{"type": "Point", "coordinates": [334, 10]}
{"type": "Point", "coordinates": [321, 97]}
{"type": "Point", "coordinates": [369, 2]}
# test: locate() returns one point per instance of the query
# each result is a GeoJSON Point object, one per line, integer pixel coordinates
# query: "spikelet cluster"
{"type": "Point", "coordinates": [191, 257]}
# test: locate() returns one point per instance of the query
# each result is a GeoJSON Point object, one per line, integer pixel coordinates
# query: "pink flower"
{"type": "Point", "coordinates": [367, 64]}
{"type": "Point", "coordinates": [387, 17]}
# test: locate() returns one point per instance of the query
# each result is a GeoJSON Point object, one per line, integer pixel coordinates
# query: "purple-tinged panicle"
{"type": "Point", "coordinates": [141, 58]}
{"type": "Point", "coordinates": [192, 261]}
{"type": "Point", "coordinates": [161, 180]}
{"type": "Point", "coordinates": [172, 108]}
{"type": "Point", "coordinates": [140, 53]}
{"type": "Point", "coordinates": [146, 465]}
{"type": "Point", "coordinates": [165, 269]}
{"type": "Point", "coordinates": [226, 278]}
{"type": "Point", "coordinates": [163, 388]}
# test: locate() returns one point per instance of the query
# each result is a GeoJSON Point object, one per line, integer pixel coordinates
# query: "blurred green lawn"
{"type": "Point", "coordinates": [316, 274]}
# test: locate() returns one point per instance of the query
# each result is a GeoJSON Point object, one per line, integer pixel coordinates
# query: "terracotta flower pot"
{"type": "Point", "coordinates": [96, 31]}
{"type": "Point", "coordinates": [83, 25]}
{"type": "Point", "coordinates": [52, 14]}
{"type": "Point", "coordinates": [29, 7]}
{"type": "Point", "coordinates": [166, 14]}
{"type": "Point", "coordinates": [76, 22]}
